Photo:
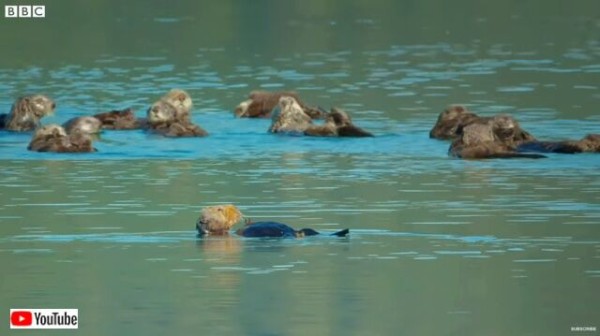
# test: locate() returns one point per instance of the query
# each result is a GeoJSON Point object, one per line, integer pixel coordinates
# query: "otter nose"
{"type": "Point", "coordinates": [53, 106]}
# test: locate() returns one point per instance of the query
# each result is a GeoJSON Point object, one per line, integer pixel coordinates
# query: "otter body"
{"type": "Point", "coordinates": [26, 112]}
{"type": "Point", "coordinates": [54, 138]}
{"type": "Point", "coordinates": [260, 104]}
{"type": "Point", "coordinates": [337, 123]}
{"type": "Point", "coordinates": [120, 120]}
{"type": "Point", "coordinates": [280, 230]}
{"type": "Point", "coordinates": [590, 144]}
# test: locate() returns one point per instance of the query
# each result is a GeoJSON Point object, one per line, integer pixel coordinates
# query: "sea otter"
{"type": "Point", "coordinates": [219, 219]}
{"type": "Point", "coordinates": [260, 104]}
{"type": "Point", "coordinates": [589, 143]}
{"type": "Point", "coordinates": [87, 125]}
{"type": "Point", "coordinates": [26, 113]}
{"type": "Point", "coordinates": [337, 123]}
{"type": "Point", "coordinates": [164, 118]}
{"type": "Point", "coordinates": [54, 138]}
{"type": "Point", "coordinates": [121, 120]}
{"type": "Point", "coordinates": [455, 117]}
{"type": "Point", "coordinates": [479, 141]}
{"type": "Point", "coordinates": [289, 118]}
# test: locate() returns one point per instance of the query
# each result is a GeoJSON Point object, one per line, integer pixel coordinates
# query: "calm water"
{"type": "Point", "coordinates": [438, 246]}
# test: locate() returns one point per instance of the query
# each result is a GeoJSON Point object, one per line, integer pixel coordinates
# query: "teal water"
{"type": "Point", "coordinates": [438, 246]}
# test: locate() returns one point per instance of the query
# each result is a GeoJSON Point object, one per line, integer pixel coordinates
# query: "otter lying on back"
{"type": "Point", "coordinates": [54, 138]}
{"type": "Point", "coordinates": [455, 117]}
{"type": "Point", "coordinates": [260, 104]}
{"type": "Point", "coordinates": [337, 123]}
{"type": "Point", "coordinates": [219, 219]}
{"type": "Point", "coordinates": [166, 119]}
{"type": "Point", "coordinates": [479, 141]}
{"type": "Point", "coordinates": [26, 113]}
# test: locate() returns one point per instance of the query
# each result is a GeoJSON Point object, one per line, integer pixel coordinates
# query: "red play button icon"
{"type": "Point", "coordinates": [21, 318]}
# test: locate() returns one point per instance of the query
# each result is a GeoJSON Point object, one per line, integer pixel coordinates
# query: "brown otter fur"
{"type": "Point", "coordinates": [27, 111]}
{"type": "Point", "coordinates": [261, 104]}
{"type": "Point", "coordinates": [87, 125]}
{"type": "Point", "coordinates": [163, 119]}
{"type": "Point", "coordinates": [120, 120]}
{"type": "Point", "coordinates": [218, 219]}
{"type": "Point", "coordinates": [337, 123]}
{"type": "Point", "coordinates": [479, 141]}
{"type": "Point", "coordinates": [289, 117]}
{"type": "Point", "coordinates": [54, 138]}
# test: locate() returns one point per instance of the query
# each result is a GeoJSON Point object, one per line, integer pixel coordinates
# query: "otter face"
{"type": "Point", "coordinates": [41, 105]}
{"type": "Point", "coordinates": [504, 126]}
{"type": "Point", "coordinates": [218, 219]}
{"type": "Point", "coordinates": [85, 125]}
{"type": "Point", "coordinates": [242, 108]}
{"type": "Point", "coordinates": [180, 99]}
{"type": "Point", "coordinates": [50, 130]}
{"type": "Point", "coordinates": [161, 112]}
{"type": "Point", "coordinates": [286, 101]}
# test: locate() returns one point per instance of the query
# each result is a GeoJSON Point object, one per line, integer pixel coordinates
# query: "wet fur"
{"type": "Point", "coordinates": [54, 138]}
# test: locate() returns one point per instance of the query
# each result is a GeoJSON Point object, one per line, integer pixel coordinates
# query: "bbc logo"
{"type": "Point", "coordinates": [24, 11]}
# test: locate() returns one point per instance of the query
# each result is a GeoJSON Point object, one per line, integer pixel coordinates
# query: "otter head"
{"type": "Point", "coordinates": [51, 130]}
{"type": "Point", "coordinates": [181, 100]}
{"type": "Point", "coordinates": [339, 117]}
{"type": "Point", "coordinates": [242, 108]}
{"type": "Point", "coordinates": [84, 125]}
{"type": "Point", "coordinates": [161, 112]}
{"type": "Point", "coordinates": [590, 143]}
{"type": "Point", "coordinates": [449, 122]}
{"type": "Point", "coordinates": [505, 126]}
{"type": "Point", "coordinates": [38, 105]}
{"type": "Point", "coordinates": [218, 219]}
{"type": "Point", "coordinates": [286, 102]}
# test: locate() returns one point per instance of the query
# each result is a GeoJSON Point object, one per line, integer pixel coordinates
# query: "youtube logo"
{"type": "Point", "coordinates": [21, 318]}
{"type": "Point", "coordinates": [44, 318]}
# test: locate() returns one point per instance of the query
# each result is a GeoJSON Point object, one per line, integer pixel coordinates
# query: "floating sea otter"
{"type": "Point", "coordinates": [26, 113]}
{"type": "Point", "coordinates": [479, 141]}
{"type": "Point", "coordinates": [337, 123]}
{"type": "Point", "coordinates": [219, 219]}
{"type": "Point", "coordinates": [54, 138]}
{"type": "Point", "coordinates": [260, 104]}
{"type": "Point", "coordinates": [455, 117]}
{"type": "Point", "coordinates": [163, 119]}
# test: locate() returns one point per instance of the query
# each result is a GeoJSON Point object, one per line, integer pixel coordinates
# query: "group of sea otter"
{"type": "Point", "coordinates": [500, 136]}
{"type": "Point", "coordinates": [473, 137]}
